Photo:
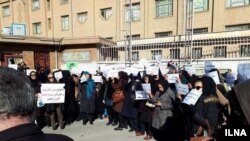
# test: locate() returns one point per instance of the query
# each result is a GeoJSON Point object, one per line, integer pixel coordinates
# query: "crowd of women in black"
{"type": "Point", "coordinates": [162, 117]}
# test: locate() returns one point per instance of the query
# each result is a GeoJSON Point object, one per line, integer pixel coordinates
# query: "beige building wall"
{"type": "Point", "coordinates": [215, 18]}
{"type": "Point", "coordinates": [229, 16]}
{"type": "Point", "coordinates": [86, 28]}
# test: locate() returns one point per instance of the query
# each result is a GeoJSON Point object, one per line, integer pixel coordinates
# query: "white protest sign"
{"type": "Point", "coordinates": [141, 95]}
{"type": "Point", "coordinates": [182, 88]}
{"type": "Point", "coordinates": [190, 69]}
{"type": "Point", "coordinates": [243, 71]}
{"type": "Point", "coordinates": [58, 75]}
{"type": "Point", "coordinates": [97, 79]}
{"type": "Point", "coordinates": [208, 66]}
{"type": "Point", "coordinates": [83, 79]}
{"type": "Point", "coordinates": [28, 71]}
{"type": "Point", "coordinates": [75, 71]}
{"type": "Point", "coordinates": [164, 71]}
{"type": "Point", "coordinates": [134, 71]}
{"type": "Point", "coordinates": [113, 73]}
{"type": "Point", "coordinates": [146, 87]}
{"type": "Point", "coordinates": [152, 71]}
{"type": "Point", "coordinates": [192, 97]}
{"type": "Point", "coordinates": [13, 66]}
{"type": "Point", "coordinates": [172, 78]}
{"type": "Point", "coordinates": [215, 76]}
{"type": "Point", "coordinates": [230, 78]}
{"type": "Point", "coordinates": [53, 93]}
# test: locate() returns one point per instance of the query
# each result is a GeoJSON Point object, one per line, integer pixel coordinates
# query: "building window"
{"type": "Point", "coordinates": [65, 22]}
{"type": "Point", "coordinates": [198, 30]}
{"type": "Point", "coordinates": [49, 23]}
{"type": "Point", "coordinates": [200, 5]}
{"type": "Point", "coordinates": [220, 51]}
{"type": "Point", "coordinates": [174, 53]}
{"type": "Point", "coordinates": [35, 4]}
{"type": "Point", "coordinates": [197, 53]}
{"type": "Point", "coordinates": [135, 16]}
{"type": "Point", "coordinates": [235, 3]}
{"type": "Point", "coordinates": [109, 38]}
{"type": "Point", "coordinates": [48, 5]}
{"type": "Point", "coordinates": [37, 28]}
{"type": "Point", "coordinates": [238, 27]}
{"type": "Point", "coordinates": [163, 34]}
{"type": "Point", "coordinates": [245, 51]}
{"type": "Point", "coordinates": [135, 55]}
{"type": "Point", "coordinates": [106, 13]}
{"type": "Point", "coordinates": [82, 17]}
{"type": "Point", "coordinates": [134, 37]}
{"type": "Point", "coordinates": [164, 8]}
{"type": "Point", "coordinates": [6, 10]}
{"type": "Point", "coordinates": [156, 54]}
{"type": "Point", "coordinates": [64, 1]}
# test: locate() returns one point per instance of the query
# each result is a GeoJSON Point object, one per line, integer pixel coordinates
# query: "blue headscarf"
{"type": "Point", "coordinates": [90, 85]}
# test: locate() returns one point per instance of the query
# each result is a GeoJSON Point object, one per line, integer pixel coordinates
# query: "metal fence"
{"type": "Point", "coordinates": [217, 46]}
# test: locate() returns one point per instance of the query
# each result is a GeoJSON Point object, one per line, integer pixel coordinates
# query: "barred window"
{"type": "Point", "coordinates": [220, 51]}
{"type": "Point", "coordinates": [245, 51]}
{"type": "Point", "coordinates": [174, 53]}
{"type": "Point", "coordinates": [135, 55]}
{"type": "Point", "coordinates": [197, 53]}
{"type": "Point", "coordinates": [156, 54]}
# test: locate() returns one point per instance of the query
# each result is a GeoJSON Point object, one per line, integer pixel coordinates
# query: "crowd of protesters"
{"type": "Point", "coordinates": [163, 116]}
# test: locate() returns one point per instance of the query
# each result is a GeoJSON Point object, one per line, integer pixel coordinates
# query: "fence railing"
{"type": "Point", "coordinates": [222, 46]}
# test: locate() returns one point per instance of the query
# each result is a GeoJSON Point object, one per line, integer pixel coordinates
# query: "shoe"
{"type": "Point", "coordinates": [139, 133]}
{"type": "Point", "coordinates": [114, 124]}
{"type": "Point", "coordinates": [125, 126]}
{"type": "Point", "coordinates": [109, 123]}
{"type": "Point", "coordinates": [148, 137]}
{"type": "Point", "coordinates": [84, 122]}
{"type": "Point", "coordinates": [118, 129]}
{"type": "Point", "coordinates": [131, 130]}
{"type": "Point", "coordinates": [62, 127]}
{"type": "Point", "coordinates": [55, 127]}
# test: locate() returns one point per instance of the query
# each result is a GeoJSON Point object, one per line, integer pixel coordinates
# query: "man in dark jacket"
{"type": "Point", "coordinates": [17, 107]}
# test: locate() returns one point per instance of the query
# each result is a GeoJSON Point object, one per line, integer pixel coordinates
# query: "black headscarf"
{"type": "Point", "coordinates": [209, 86]}
{"type": "Point", "coordinates": [165, 85]}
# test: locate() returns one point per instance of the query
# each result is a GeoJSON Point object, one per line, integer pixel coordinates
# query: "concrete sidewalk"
{"type": "Point", "coordinates": [96, 132]}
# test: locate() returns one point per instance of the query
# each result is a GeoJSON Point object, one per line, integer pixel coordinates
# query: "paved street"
{"type": "Point", "coordinates": [98, 131]}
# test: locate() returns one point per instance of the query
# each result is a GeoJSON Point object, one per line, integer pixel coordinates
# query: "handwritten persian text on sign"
{"type": "Point", "coordinates": [192, 97]}
{"type": "Point", "coordinates": [182, 88]}
{"type": "Point", "coordinates": [53, 93]}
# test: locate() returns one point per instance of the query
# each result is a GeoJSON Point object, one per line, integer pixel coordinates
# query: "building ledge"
{"type": "Point", "coordinates": [52, 41]}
